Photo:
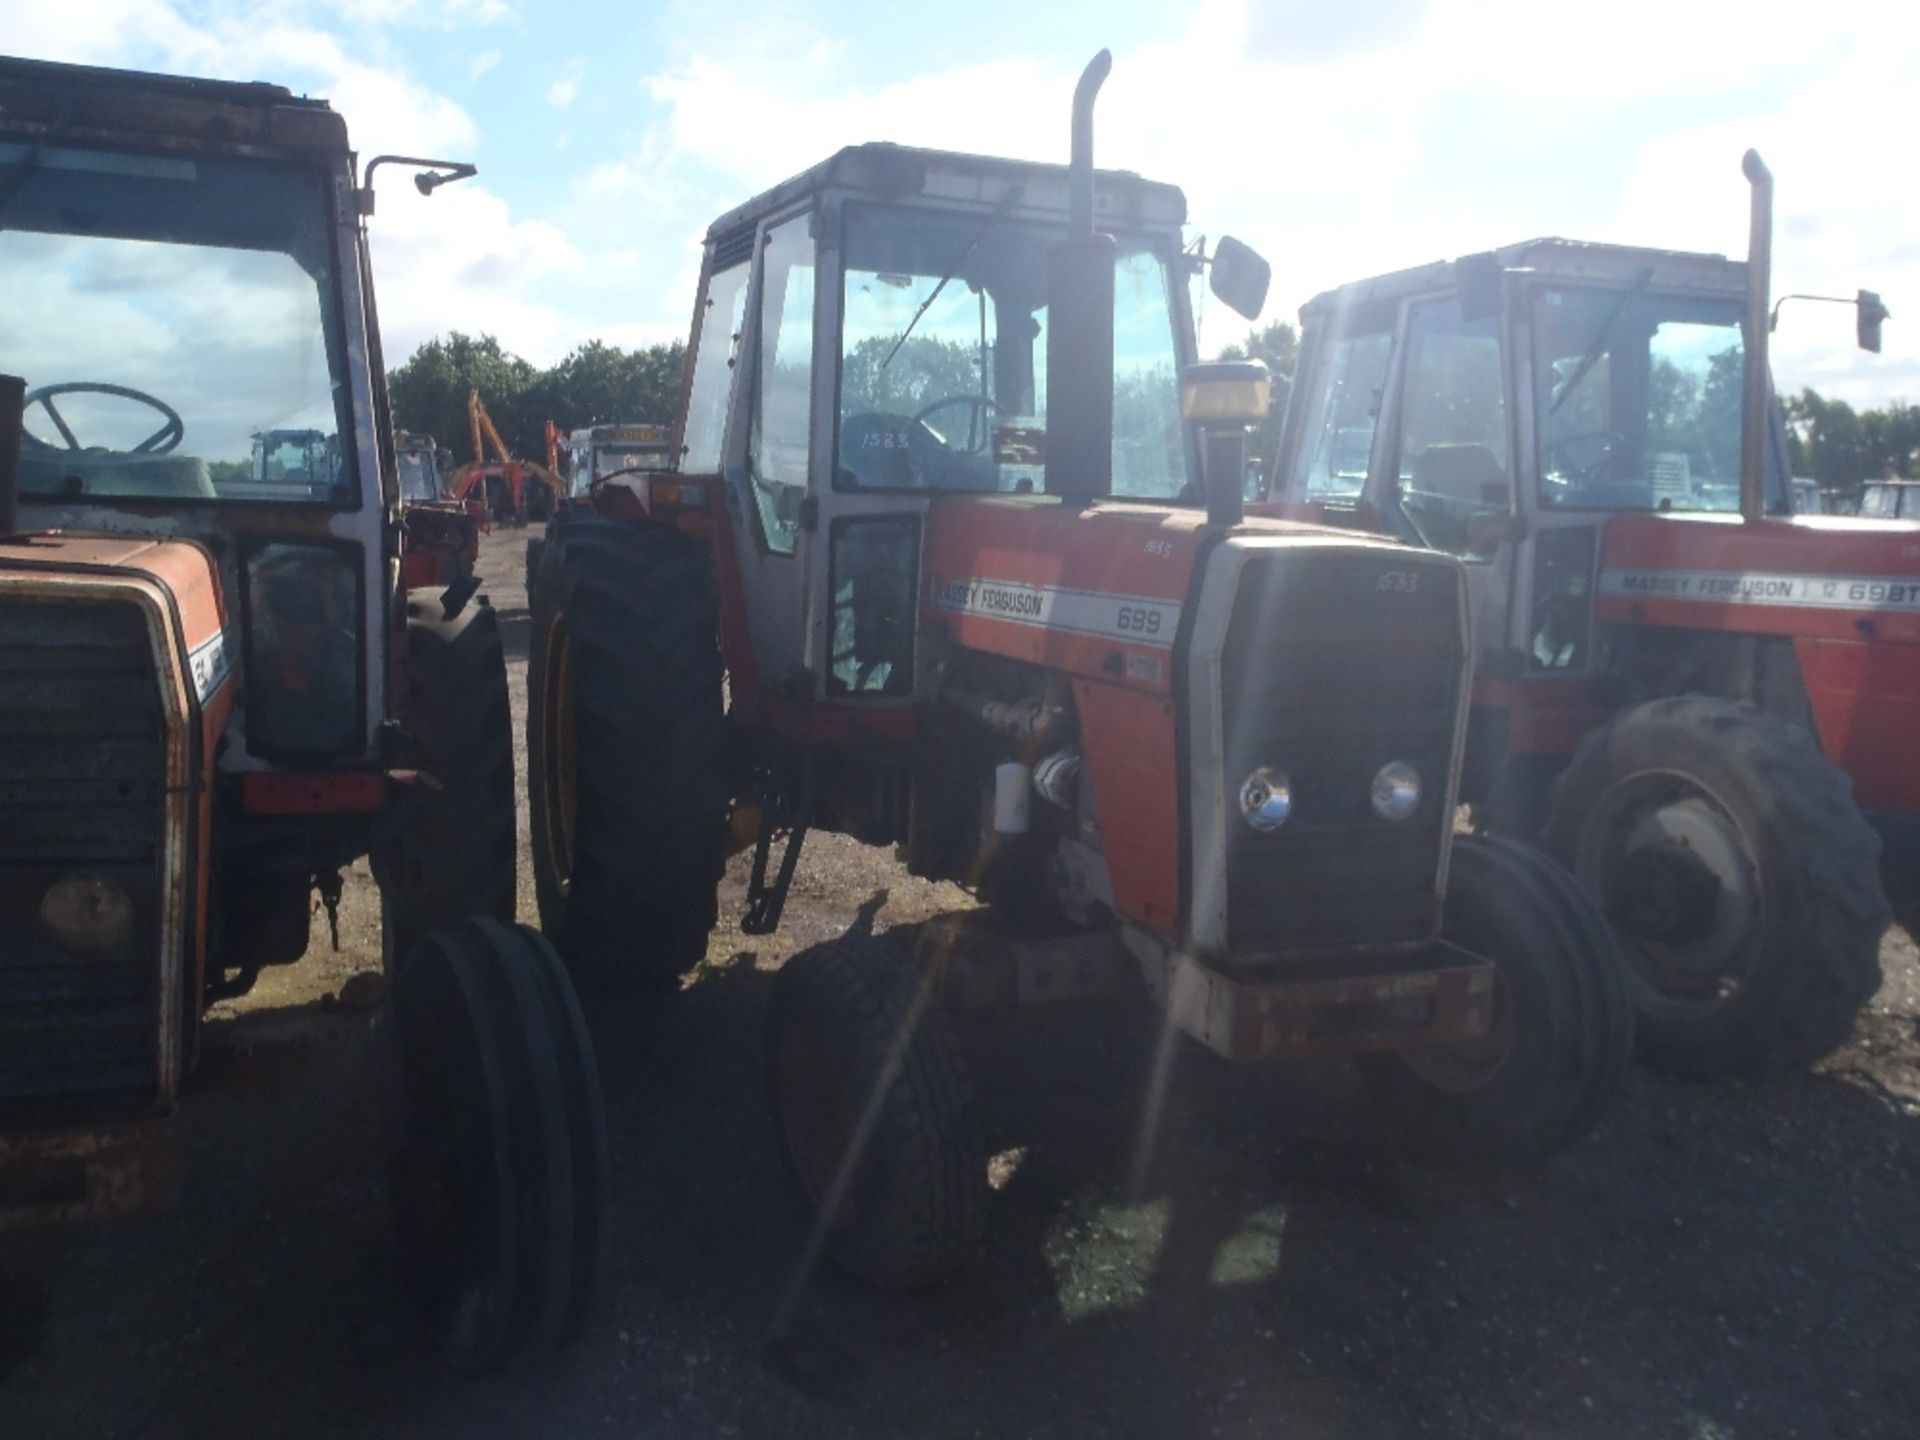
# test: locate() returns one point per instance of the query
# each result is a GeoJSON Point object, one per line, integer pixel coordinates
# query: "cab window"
{"type": "Point", "coordinates": [713, 368]}
{"type": "Point", "coordinates": [779, 446]}
{"type": "Point", "coordinates": [1341, 408]}
{"type": "Point", "coordinates": [1455, 465]}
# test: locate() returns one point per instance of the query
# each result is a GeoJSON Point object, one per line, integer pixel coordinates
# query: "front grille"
{"type": "Point", "coordinates": [82, 792]}
{"type": "Point", "coordinates": [1332, 667]}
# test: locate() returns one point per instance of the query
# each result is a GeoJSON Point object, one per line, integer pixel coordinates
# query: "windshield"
{"type": "Point", "coordinates": [1891, 502]}
{"type": "Point", "coordinates": [176, 325]}
{"type": "Point", "coordinates": [610, 458]}
{"type": "Point", "coordinates": [1341, 409]}
{"type": "Point", "coordinates": [1638, 400]}
{"type": "Point", "coordinates": [419, 476]}
{"type": "Point", "coordinates": [944, 385]}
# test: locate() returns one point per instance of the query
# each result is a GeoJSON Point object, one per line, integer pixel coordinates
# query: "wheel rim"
{"type": "Point", "coordinates": [560, 788]}
{"type": "Point", "coordinates": [1680, 883]}
{"type": "Point", "coordinates": [817, 1115]}
{"type": "Point", "coordinates": [1472, 1064]}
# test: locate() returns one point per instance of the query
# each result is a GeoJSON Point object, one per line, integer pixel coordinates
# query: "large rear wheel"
{"type": "Point", "coordinates": [1561, 1032]}
{"type": "Point", "coordinates": [626, 750]}
{"type": "Point", "coordinates": [499, 1179]}
{"type": "Point", "coordinates": [874, 1107]}
{"type": "Point", "coordinates": [1740, 877]}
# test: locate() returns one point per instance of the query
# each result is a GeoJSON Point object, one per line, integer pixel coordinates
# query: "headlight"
{"type": "Point", "coordinates": [1266, 798]}
{"type": "Point", "coordinates": [87, 916]}
{"type": "Point", "coordinates": [1396, 790]}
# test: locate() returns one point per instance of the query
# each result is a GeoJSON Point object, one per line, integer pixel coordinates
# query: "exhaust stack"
{"type": "Point", "coordinates": [1079, 458]}
{"type": "Point", "coordinates": [1754, 410]}
{"type": "Point", "coordinates": [13, 391]}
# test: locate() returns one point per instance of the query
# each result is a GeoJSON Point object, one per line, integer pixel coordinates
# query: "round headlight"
{"type": "Point", "coordinates": [1266, 798]}
{"type": "Point", "coordinates": [87, 916]}
{"type": "Point", "coordinates": [1396, 790]}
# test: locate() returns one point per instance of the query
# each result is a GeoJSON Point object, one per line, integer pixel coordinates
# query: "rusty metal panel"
{"type": "Point", "coordinates": [1444, 999]}
{"type": "Point", "coordinates": [55, 1177]}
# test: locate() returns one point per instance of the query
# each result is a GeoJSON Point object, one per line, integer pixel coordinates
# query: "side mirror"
{"type": "Point", "coordinates": [1240, 277]}
{"type": "Point", "coordinates": [1873, 313]}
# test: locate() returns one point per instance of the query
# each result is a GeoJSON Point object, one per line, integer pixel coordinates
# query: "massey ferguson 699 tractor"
{"type": "Point", "coordinates": [1703, 703]}
{"type": "Point", "coordinates": [941, 568]}
{"type": "Point", "coordinates": [215, 694]}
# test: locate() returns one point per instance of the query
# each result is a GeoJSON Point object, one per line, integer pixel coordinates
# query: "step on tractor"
{"type": "Point", "coordinates": [946, 566]}
{"type": "Point", "coordinates": [216, 695]}
{"type": "Point", "coordinates": [1701, 702]}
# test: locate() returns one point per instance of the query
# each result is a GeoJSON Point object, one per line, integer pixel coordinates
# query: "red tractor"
{"type": "Point", "coordinates": [216, 694]}
{"type": "Point", "coordinates": [1703, 703]}
{"type": "Point", "coordinates": [943, 567]}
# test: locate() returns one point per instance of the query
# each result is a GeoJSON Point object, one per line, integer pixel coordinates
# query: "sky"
{"type": "Point", "coordinates": [1339, 137]}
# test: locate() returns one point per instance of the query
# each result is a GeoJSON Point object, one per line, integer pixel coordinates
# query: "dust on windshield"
{"type": "Point", "coordinates": [176, 323]}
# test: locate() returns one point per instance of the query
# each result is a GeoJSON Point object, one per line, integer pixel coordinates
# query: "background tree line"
{"type": "Point", "coordinates": [598, 383]}
{"type": "Point", "coordinates": [595, 384]}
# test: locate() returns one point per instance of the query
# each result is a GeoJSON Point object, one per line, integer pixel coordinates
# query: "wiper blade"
{"type": "Point", "coordinates": [998, 214]}
{"type": "Point", "coordinates": [1599, 346]}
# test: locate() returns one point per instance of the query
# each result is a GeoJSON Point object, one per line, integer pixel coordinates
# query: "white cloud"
{"type": "Point", "coordinates": [564, 91]}
{"type": "Point", "coordinates": [482, 63]}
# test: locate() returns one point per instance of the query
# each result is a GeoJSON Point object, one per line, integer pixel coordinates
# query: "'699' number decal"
{"type": "Point", "coordinates": [1137, 620]}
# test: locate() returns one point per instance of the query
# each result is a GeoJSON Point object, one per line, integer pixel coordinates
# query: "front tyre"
{"type": "Point", "coordinates": [499, 1178]}
{"type": "Point", "coordinates": [1739, 875]}
{"type": "Point", "coordinates": [1561, 1033]}
{"type": "Point", "coordinates": [874, 1107]}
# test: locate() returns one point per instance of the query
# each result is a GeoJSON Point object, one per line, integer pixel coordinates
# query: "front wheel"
{"type": "Point", "coordinates": [1738, 874]}
{"type": "Point", "coordinates": [499, 1178]}
{"type": "Point", "coordinates": [874, 1108]}
{"type": "Point", "coordinates": [1561, 1032]}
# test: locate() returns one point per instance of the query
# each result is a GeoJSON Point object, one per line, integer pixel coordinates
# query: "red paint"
{"type": "Point", "coordinates": [1128, 741]}
{"type": "Point", "coordinates": [358, 792]}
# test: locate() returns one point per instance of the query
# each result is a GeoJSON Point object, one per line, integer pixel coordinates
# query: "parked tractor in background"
{"type": "Point", "coordinates": [441, 544]}
{"type": "Point", "coordinates": [214, 696]}
{"type": "Point", "coordinates": [941, 568]}
{"type": "Point", "coordinates": [592, 454]}
{"type": "Point", "coordinates": [1890, 500]}
{"type": "Point", "coordinates": [1702, 702]}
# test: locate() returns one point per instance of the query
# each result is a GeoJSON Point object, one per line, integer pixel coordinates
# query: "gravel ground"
{"type": "Point", "coordinates": [1740, 1260]}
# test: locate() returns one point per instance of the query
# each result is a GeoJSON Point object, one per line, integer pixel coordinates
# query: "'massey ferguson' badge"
{"type": "Point", "coordinates": [1138, 619]}
{"type": "Point", "coordinates": [1727, 587]}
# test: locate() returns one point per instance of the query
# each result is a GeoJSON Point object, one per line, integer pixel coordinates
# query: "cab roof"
{"type": "Point", "coordinates": [82, 102]}
{"type": "Point", "coordinates": [1552, 257]}
{"type": "Point", "coordinates": [887, 171]}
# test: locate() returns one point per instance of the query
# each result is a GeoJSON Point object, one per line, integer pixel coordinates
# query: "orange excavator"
{"type": "Point", "coordinates": [503, 480]}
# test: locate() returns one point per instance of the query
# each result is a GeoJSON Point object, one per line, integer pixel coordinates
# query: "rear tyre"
{"type": "Point", "coordinates": [626, 754]}
{"type": "Point", "coordinates": [1739, 876]}
{"type": "Point", "coordinates": [499, 1178]}
{"type": "Point", "coordinates": [1562, 1023]}
{"type": "Point", "coordinates": [456, 852]}
{"type": "Point", "coordinates": [874, 1107]}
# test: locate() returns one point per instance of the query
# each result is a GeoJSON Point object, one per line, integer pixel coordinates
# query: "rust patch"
{"type": "Point", "coordinates": [97, 1173]}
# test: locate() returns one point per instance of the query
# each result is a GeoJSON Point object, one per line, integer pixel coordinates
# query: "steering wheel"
{"type": "Point", "coordinates": [980, 404]}
{"type": "Point", "coordinates": [1609, 442]}
{"type": "Point", "coordinates": [160, 442]}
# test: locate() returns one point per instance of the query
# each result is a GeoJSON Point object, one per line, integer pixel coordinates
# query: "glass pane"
{"type": "Point", "coordinates": [303, 649]}
{"type": "Point", "coordinates": [1340, 414]}
{"type": "Point", "coordinates": [1639, 401]}
{"type": "Point", "coordinates": [875, 564]}
{"type": "Point", "coordinates": [777, 453]}
{"type": "Point", "coordinates": [943, 369]}
{"type": "Point", "coordinates": [175, 321]}
{"type": "Point", "coordinates": [1455, 467]}
{"type": "Point", "coordinates": [713, 367]}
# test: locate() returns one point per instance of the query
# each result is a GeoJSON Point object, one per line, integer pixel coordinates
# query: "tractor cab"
{"type": "Point", "coordinates": [418, 460]}
{"type": "Point", "coordinates": [1502, 407]}
{"type": "Point", "coordinates": [595, 452]}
